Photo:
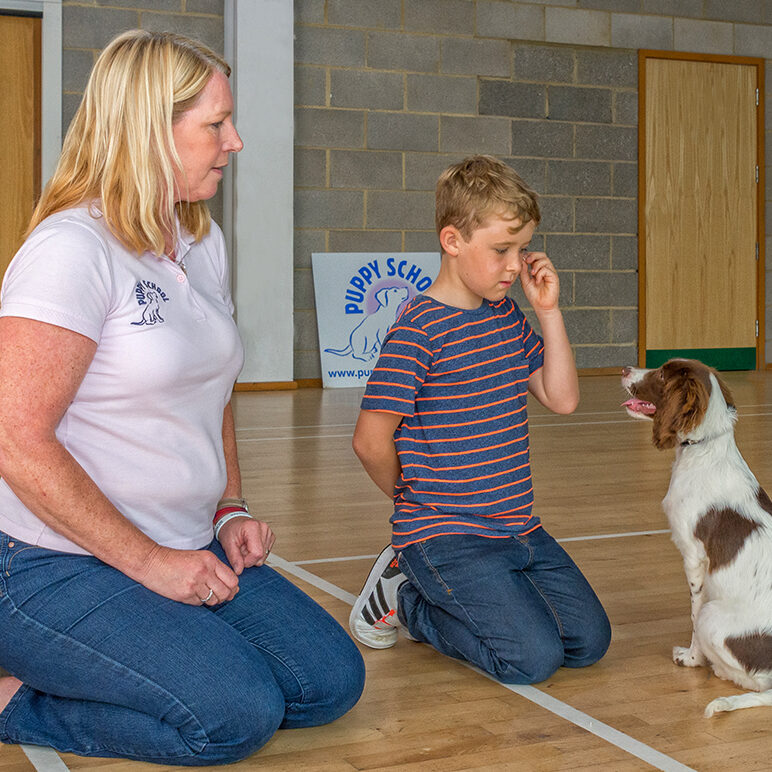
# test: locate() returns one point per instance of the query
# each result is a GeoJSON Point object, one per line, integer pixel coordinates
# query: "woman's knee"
{"type": "Point", "coordinates": [348, 678]}
{"type": "Point", "coordinates": [332, 688]}
{"type": "Point", "coordinates": [238, 723]}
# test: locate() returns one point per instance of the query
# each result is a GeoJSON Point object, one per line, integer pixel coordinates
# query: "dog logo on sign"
{"type": "Point", "coordinates": [359, 296]}
{"type": "Point", "coordinates": [364, 342]}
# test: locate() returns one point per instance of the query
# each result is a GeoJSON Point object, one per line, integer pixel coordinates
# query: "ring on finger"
{"type": "Point", "coordinates": [208, 597]}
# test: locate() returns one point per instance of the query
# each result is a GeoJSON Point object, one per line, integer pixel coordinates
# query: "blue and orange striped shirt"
{"type": "Point", "coordinates": [459, 378]}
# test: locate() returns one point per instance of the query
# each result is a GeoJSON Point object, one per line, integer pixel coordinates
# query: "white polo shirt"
{"type": "Point", "coordinates": [146, 422]}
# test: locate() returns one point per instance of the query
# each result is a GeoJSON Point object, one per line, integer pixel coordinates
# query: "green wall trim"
{"type": "Point", "coordinates": [720, 358]}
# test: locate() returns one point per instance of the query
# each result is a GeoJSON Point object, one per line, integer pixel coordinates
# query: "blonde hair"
{"type": "Point", "coordinates": [473, 189]}
{"type": "Point", "coordinates": [119, 150]}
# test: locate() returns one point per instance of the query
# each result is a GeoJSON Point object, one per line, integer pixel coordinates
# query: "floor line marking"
{"type": "Point", "coordinates": [536, 417]}
{"type": "Point", "coordinates": [299, 426]}
{"type": "Point", "coordinates": [315, 581]}
{"type": "Point", "coordinates": [605, 732]}
{"type": "Point", "coordinates": [590, 537]}
{"type": "Point", "coordinates": [289, 439]}
{"type": "Point", "coordinates": [561, 709]}
{"type": "Point", "coordinates": [44, 759]}
{"type": "Point", "coordinates": [344, 559]}
{"type": "Point", "coordinates": [534, 424]}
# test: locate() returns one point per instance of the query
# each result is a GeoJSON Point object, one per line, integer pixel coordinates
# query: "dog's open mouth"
{"type": "Point", "coordinates": [640, 406]}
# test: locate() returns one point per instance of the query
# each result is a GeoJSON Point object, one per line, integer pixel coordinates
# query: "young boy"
{"type": "Point", "coordinates": [443, 430]}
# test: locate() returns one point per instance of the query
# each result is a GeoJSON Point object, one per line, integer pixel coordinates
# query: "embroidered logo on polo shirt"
{"type": "Point", "coordinates": [149, 297]}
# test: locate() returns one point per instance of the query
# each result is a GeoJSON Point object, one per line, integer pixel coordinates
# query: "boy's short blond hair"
{"type": "Point", "coordinates": [473, 189]}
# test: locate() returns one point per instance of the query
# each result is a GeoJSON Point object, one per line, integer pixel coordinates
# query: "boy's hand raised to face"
{"type": "Point", "coordinates": [540, 281]}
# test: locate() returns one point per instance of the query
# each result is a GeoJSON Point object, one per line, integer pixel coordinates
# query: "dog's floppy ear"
{"type": "Point", "coordinates": [382, 296]}
{"type": "Point", "coordinates": [685, 400]}
{"type": "Point", "coordinates": [728, 398]}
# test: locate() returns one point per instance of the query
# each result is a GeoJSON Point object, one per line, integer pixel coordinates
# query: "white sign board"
{"type": "Point", "coordinates": [358, 297]}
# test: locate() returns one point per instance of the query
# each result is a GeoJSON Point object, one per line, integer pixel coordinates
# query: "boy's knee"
{"type": "Point", "coordinates": [596, 639]}
{"type": "Point", "coordinates": [532, 665]}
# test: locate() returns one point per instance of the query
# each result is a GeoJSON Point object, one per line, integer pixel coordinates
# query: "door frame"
{"type": "Point", "coordinates": [643, 55]}
{"type": "Point", "coordinates": [50, 77]}
{"type": "Point", "coordinates": [23, 189]}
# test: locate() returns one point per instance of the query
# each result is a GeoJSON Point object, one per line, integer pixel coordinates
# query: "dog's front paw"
{"type": "Point", "coordinates": [718, 705]}
{"type": "Point", "coordinates": [688, 657]}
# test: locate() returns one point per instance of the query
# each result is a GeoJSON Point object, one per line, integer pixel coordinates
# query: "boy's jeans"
{"type": "Point", "coordinates": [112, 669]}
{"type": "Point", "coordinates": [518, 607]}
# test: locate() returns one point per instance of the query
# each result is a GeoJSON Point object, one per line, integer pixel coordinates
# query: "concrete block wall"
{"type": "Point", "coordinates": [389, 92]}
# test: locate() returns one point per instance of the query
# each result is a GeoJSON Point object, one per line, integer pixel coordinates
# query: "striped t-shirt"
{"type": "Point", "coordinates": [460, 379]}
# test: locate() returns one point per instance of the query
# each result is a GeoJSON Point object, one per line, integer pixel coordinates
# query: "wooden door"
{"type": "Point", "coordinates": [701, 243]}
{"type": "Point", "coordinates": [20, 132]}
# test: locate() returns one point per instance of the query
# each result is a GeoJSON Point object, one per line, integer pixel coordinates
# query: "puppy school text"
{"type": "Point", "coordinates": [374, 270]}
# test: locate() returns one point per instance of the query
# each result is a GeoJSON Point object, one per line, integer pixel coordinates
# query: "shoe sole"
{"type": "Point", "coordinates": [372, 636]}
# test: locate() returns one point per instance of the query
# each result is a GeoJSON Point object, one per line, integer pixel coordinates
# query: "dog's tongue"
{"type": "Point", "coordinates": [639, 406]}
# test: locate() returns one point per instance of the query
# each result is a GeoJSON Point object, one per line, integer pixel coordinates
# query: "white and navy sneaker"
{"type": "Point", "coordinates": [373, 620]}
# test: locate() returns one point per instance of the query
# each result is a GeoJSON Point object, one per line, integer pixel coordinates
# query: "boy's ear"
{"type": "Point", "coordinates": [450, 240]}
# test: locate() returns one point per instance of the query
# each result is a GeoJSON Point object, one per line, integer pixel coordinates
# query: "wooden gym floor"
{"type": "Point", "coordinates": [599, 483]}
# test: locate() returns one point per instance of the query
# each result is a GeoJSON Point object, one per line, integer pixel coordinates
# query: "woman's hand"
{"type": "Point", "coordinates": [246, 542]}
{"type": "Point", "coordinates": [189, 576]}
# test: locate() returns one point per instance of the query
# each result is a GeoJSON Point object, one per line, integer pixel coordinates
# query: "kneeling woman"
{"type": "Point", "coordinates": [128, 629]}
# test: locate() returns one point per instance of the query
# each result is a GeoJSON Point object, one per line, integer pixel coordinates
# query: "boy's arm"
{"type": "Point", "coordinates": [373, 444]}
{"type": "Point", "coordinates": [556, 384]}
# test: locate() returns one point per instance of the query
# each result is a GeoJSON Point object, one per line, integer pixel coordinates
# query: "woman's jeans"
{"type": "Point", "coordinates": [518, 608]}
{"type": "Point", "coordinates": [110, 668]}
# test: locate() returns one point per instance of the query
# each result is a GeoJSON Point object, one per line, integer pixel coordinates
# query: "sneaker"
{"type": "Point", "coordinates": [373, 620]}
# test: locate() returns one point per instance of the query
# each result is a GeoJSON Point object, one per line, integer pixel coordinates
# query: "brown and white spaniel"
{"type": "Point", "coordinates": [721, 521]}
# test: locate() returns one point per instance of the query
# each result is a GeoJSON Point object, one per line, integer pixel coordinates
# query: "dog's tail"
{"type": "Point", "coordinates": [738, 701]}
